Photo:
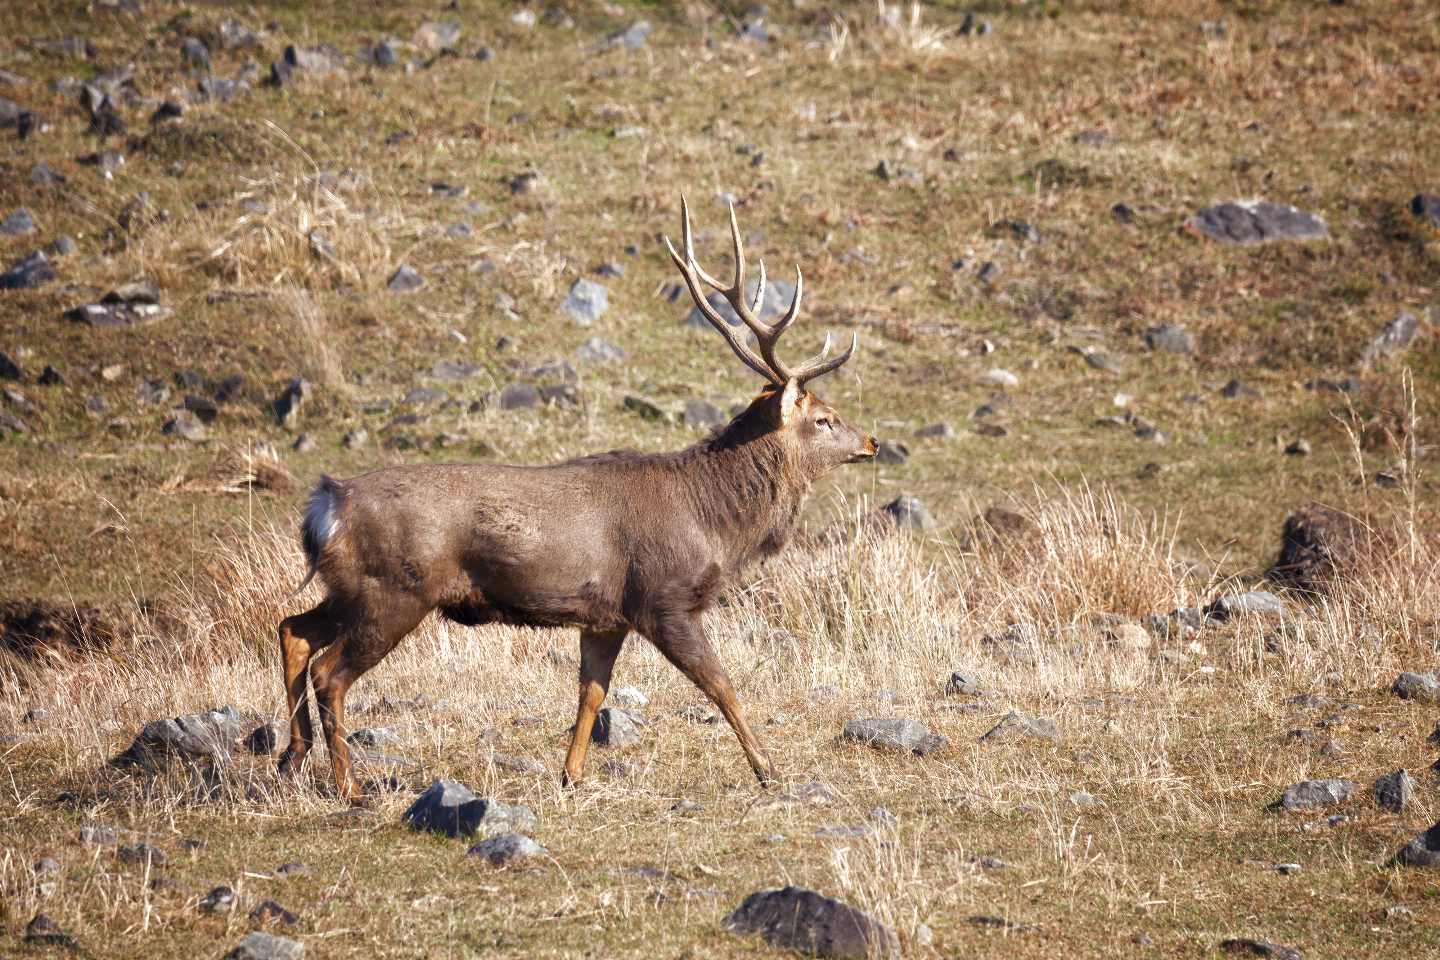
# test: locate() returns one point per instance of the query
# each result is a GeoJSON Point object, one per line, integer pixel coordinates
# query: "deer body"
{"type": "Point", "coordinates": [610, 543]}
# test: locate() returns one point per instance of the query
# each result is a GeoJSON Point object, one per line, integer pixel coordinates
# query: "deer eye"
{"type": "Point", "coordinates": [823, 422]}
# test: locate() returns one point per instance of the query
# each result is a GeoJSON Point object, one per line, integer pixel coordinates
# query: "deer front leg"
{"type": "Point", "coordinates": [300, 638]}
{"type": "Point", "coordinates": [598, 651]}
{"type": "Point", "coordinates": [683, 643]}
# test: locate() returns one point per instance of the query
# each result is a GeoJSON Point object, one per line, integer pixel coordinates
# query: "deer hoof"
{"type": "Point", "coordinates": [289, 763]}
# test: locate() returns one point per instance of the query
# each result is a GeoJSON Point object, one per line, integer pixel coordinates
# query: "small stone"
{"type": "Point", "coordinates": [586, 302]}
{"type": "Point", "coordinates": [1023, 228]}
{"type": "Point", "coordinates": [989, 272]}
{"type": "Point", "coordinates": [1316, 793]}
{"type": "Point", "coordinates": [322, 246]}
{"type": "Point", "coordinates": [405, 280]}
{"type": "Point", "coordinates": [259, 945]}
{"type": "Point", "coordinates": [892, 453]}
{"type": "Point", "coordinates": [614, 728]}
{"type": "Point", "coordinates": [1395, 338]}
{"type": "Point", "coordinates": [1260, 948]}
{"type": "Point", "coordinates": [597, 350]}
{"type": "Point", "coordinates": [893, 734]}
{"type": "Point", "coordinates": [943, 431]}
{"type": "Point", "coordinates": [437, 36]}
{"type": "Point", "coordinates": [356, 438]}
{"type": "Point", "coordinates": [46, 868]}
{"type": "Point", "coordinates": [527, 184]}
{"type": "Point", "coordinates": [44, 175]}
{"type": "Point", "coordinates": [1394, 791]}
{"type": "Point", "coordinates": [688, 808]}
{"type": "Point", "coordinates": [1299, 448]}
{"type": "Point", "coordinates": [1171, 339]}
{"type": "Point", "coordinates": [267, 739]}
{"type": "Point", "coordinates": [884, 817]}
{"type": "Point", "coordinates": [629, 696]}
{"type": "Point", "coordinates": [272, 910]}
{"type": "Point", "coordinates": [516, 395]}
{"type": "Point", "coordinates": [1254, 602]}
{"type": "Point", "coordinates": [507, 848]}
{"type": "Point", "coordinates": [152, 391]}
{"type": "Point", "coordinates": [140, 853]}
{"type": "Point", "coordinates": [454, 372]}
{"type": "Point", "coordinates": [1240, 390]}
{"type": "Point", "coordinates": [1399, 912]}
{"type": "Point", "coordinates": [386, 55]}
{"type": "Point", "coordinates": [98, 834]}
{"type": "Point", "coordinates": [1249, 222]}
{"type": "Point", "coordinates": [1104, 362]}
{"type": "Point", "coordinates": [28, 272]}
{"type": "Point", "coordinates": [17, 224]}
{"type": "Point", "coordinates": [645, 407]}
{"type": "Point", "coordinates": [1015, 725]}
{"type": "Point", "coordinates": [64, 246]}
{"type": "Point", "coordinates": [1081, 799]}
{"type": "Point", "coordinates": [1417, 687]}
{"type": "Point", "coordinates": [293, 868]}
{"type": "Point", "coordinates": [701, 414]}
{"type": "Point", "coordinates": [910, 514]}
{"type": "Point", "coordinates": [794, 918]}
{"type": "Point", "coordinates": [813, 793]}
{"type": "Point", "coordinates": [450, 808]}
{"type": "Point", "coordinates": [44, 930]}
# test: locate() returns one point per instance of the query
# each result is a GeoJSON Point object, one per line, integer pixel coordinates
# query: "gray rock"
{"type": "Point", "coordinates": [97, 405]}
{"type": "Point", "coordinates": [288, 405]}
{"type": "Point", "coordinates": [356, 438]}
{"type": "Point", "coordinates": [1316, 793]}
{"type": "Point", "coordinates": [1426, 205]}
{"type": "Point", "coordinates": [1015, 725]}
{"type": "Point", "coordinates": [195, 52]}
{"type": "Point", "coordinates": [989, 272]}
{"type": "Point", "coordinates": [1023, 228]}
{"type": "Point", "coordinates": [813, 793]}
{"type": "Point", "coordinates": [46, 868]}
{"type": "Point", "coordinates": [701, 414]}
{"type": "Point", "coordinates": [587, 302]}
{"type": "Point", "coordinates": [405, 280]}
{"type": "Point", "coordinates": [10, 368]}
{"type": "Point", "coordinates": [98, 834]}
{"type": "Point", "coordinates": [140, 853]}
{"type": "Point", "coordinates": [223, 89]}
{"type": "Point", "coordinates": [1394, 339]}
{"type": "Point", "coordinates": [614, 728]}
{"type": "Point", "coordinates": [233, 34]}
{"type": "Point", "coordinates": [688, 808]}
{"type": "Point", "coordinates": [42, 929]}
{"type": "Point", "coordinates": [1417, 687]}
{"type": "Point", "coordinates": [19, 223]}
{"type": "Point", "coordinates": [1242, 604]}
{"type": "Point", "coordinates": [486, 52]}
{"type": "Point", "coordinates": [941, 431]}
{"type": "Point", "coordinates": [459, 231]}
{"type": "Point", "coordinates": [185, 426]}
{"type": "Point", "coordinates": [152, 391]}
{"type": "Point", "coordinates": [44, 175]}
{"type": "Point", "coordinates": [426, 395]}
{"type": "Point", "coordinates": [1105, 362]}
{"type": "Point", "coordinates": [513, 764]}
{"type": "Point", "coordinates": [1399, 912]}
{"type": "Point", "coordinates": [437, 36]}
{"type": "Point", "coordinates": [1260, 948]}
{"type": "Point", "coordinates": [612, 270]}
{"type": "Point", "coordinates": [893, 733]}
{"type": "Point", "coordinates": [211, 735]}
{"type": "Point", "coordinates": [386, 55]}
{"type": "Point", "coordinates": [1170, 338]}
{"type": "Point", "coordinates": [106, 160]}
{"type": "Point", "coordinates": [778, 294]}
{"type": "Point", "coordinates": [910, 514]}
{"type": "Point", "coordinates": [1081, 799]}
{"type": "Point", "coordinates": [321, 245]}
{"type": "Point", "coordinates": [1423, 851]}
{"type": "Point", "coordinates": [516, 395]}
{"type": "Point", "coordinates": [272, 910]}
{"type": "Point", "coordinates": [596, 350]}
{"type": "Point", "coordinates": [884, 817]}
{"type": "Point", "coordinates": [527, 183]}
{"type": "Point", "coordinates": [314, 61]}
{"type": "Point", "coordinates": [633, 37]}
{"type": "Point", "coordinates": [449, 808]}
{"type": "Point", "coordinates": [1299, 448]}
{"type": "Point", "coordinates": [1394, 791]}
{"type": "Point", "coordinates": [259, 945]}
{"type": "Point", "coordinates": [1240, 390]}
{"type": "Point", "coordinates": [794, 918]}
{"type": "Point", "coordinates": [454, 372]}
{"type": "Point", "coordinates": [267, 739]}
{"type": "Point", "coordinates": [1248, 222]}
{"type": "Point", "coordinates": [28, 272]}
{"type": "Point", "coordinates": [118, 315]}
{"type": "Point", "coordinates": [893, 453]}
{"type": "Point", "coordinates": [507, 848]}
{"type": "Point", "coordinates": [645, 407]}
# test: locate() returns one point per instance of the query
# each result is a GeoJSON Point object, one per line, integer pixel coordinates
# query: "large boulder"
{"type": "Point", "coordinates": [450, 808]}
{"type": "Point", "coordinates": [209, 735]}
{"type": "Point", "coordinates": [794, 918]}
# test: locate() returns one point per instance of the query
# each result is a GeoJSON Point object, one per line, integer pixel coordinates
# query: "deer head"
{"type": "Point", "coordinates": [820, 437]}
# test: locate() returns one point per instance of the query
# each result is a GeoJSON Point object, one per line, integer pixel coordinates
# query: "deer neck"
{"type": "Point", "coordinates": [750, 494]}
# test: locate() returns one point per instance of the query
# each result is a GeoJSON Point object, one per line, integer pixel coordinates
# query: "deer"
{"type": "Point", "coordinates": [611, 543]}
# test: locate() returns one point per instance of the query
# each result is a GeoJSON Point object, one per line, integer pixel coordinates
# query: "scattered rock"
{"type": "Point", "coordinates": [454, 372]}
{"type": "Point", "coordinates": [1170, 338]}
{"type": "Point", "coordinates": [1248, 222]}
{"type": "Point", "coordinates": [701, 414]}
{"type": "Point", "coordinates": [17, 224]}
{"type": "Point", "coordinates": [293, 868]}
{"type": "Point", "coordinates": [1015, 725]}
{"type": "Point", "coordinates": [272, 910]}
{"type": "Point", "coordinates": [355, 438]}
{"type": "Point", "coordinates": [28, 272]}
{"type": "Point", "coordinates": [628, 696]}
{"type": "Point", "coordinates": [1398, 912]}
{"type": "Point", "coordinates": [596, 350]}
{"type": "Point", "coordinates": [614, 728]}
{"type": "Point", "coordinates": [10, 368]}
{"type": "Point", "coordinates": [1423, 851]}
{"type": "Point", "coordinates": [1426, 205]}
{"type": "Point", "coordinates": [1260, 948]}
{"type": "Point", "coordinates": [289, 404]}
{"type": "Point", "coordinates": [645, 407]}
{"type": "Point", "coordinates": [943, 431]}
{"type": "Point", "coordinates": [1105, 362]}
{"type": "Point", "coordinates": [1316, 793]}
{"type": "Point", "coordinates": [507, 848]}
{"type": "Point", "coordinates": [210, 735]}
{"type": "Point", "coordinates": [44, 175]}
{"type": "Point", "coordinates": [688, 808]}
{"type": "Point", "coordinates": [152, 391]}
{"type": "Point", "coordinates": [587, 301]}
{"type": "Point", "coordinates": [44, 930]}
{"type": "Point", "coordinates": [633, 36]}
{"type": "Point", "coordinates": [516, 395]}
{"type": "Point", "coordinates": [1395, 338]}
{"type": "Point", "coordinates": [893, 734]}
{"type": "Point", "coordinates": [1299, 448]}
{"type": "Point", "coordinates": [996, 377]}
{"type": "Point", "coordinates": [892, 453]}
{"type": "Point", "coordinates": [195, 52]}
{"type": "Point", "coordinates": [437, 36]}
{"type": "Point", "coordinates": [259, 945]}
{"type": "Point", "coordinates": [450, 808]}
{"type": "Point", "coordinates": [142, 853]}
{"type": "Point", "coordinates": [989, 272]}
{"type": "Point", "coordinates": [405, 280]}
{"type": "Point", "coordinates": [794, 918]}
{"type": "Point", "coordinates": [1319, 543]}
{"type": "Point", "coordinates": [117, 315]}
{"type": "Point", "coordinates": [1416, 686]}
{"type": "Point", "coordinates": [1394, 791]}
{"type": "Point", "coordinates": [813, 793]}
{"type": "Point", "coordinates": [1022, 228]}
{"type": "Point", "coordinates": [267, 739]}
{"type": "Point", "coordinates": [98, 834]}
{"type": "Point", "coordinates": [1242, 604]}
{"type": "Point", "coordinates": [106, 160]}
{"type": "Point", "coordinates": [527, 183]}
{"type": "Point", "coordinates": [910, 514]}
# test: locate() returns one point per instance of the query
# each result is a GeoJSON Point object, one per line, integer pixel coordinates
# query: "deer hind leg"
{"type": "Point", "coordinates": [301, 637]}
{"type": "Point", "coordinates": [332, 674]}
{"type": "Point", "coordinates": [683, 643]}
{"type": "Point", "coordinates": [598, 651]}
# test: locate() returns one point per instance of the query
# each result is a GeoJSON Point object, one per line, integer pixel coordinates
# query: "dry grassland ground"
{"type": "Point", "coordinates": [189, 547]}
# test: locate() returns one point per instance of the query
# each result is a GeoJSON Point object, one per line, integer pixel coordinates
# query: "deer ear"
{"type": "Point", "coordinates": [788, 399]}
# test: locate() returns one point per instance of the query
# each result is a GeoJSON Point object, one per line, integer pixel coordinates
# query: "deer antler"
{"type": "Point", "coordinates": [768, 365]}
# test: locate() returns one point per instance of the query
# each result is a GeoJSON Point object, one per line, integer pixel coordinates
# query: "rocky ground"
{"type": "Point", "coordinates": [1126, 641]}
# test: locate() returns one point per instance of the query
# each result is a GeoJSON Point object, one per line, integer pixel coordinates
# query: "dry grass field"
{"type": "Point", "coordinates": [272, 221]}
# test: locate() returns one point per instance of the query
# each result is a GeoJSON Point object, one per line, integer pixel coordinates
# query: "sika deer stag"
{"type": "Point", "coordinates": [609, 543]}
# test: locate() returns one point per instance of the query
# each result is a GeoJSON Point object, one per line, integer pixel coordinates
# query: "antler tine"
{"type": "Point", "coordinates": [794, 311]}
{"type": "Point", "coordinates": [819, 366]}
{"type": "Point", "coordinates": [690, 246]}
{"type": "Point", "coordinates": [692, 273]}
{"type": "Point", "coordinates": [758, 306]}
